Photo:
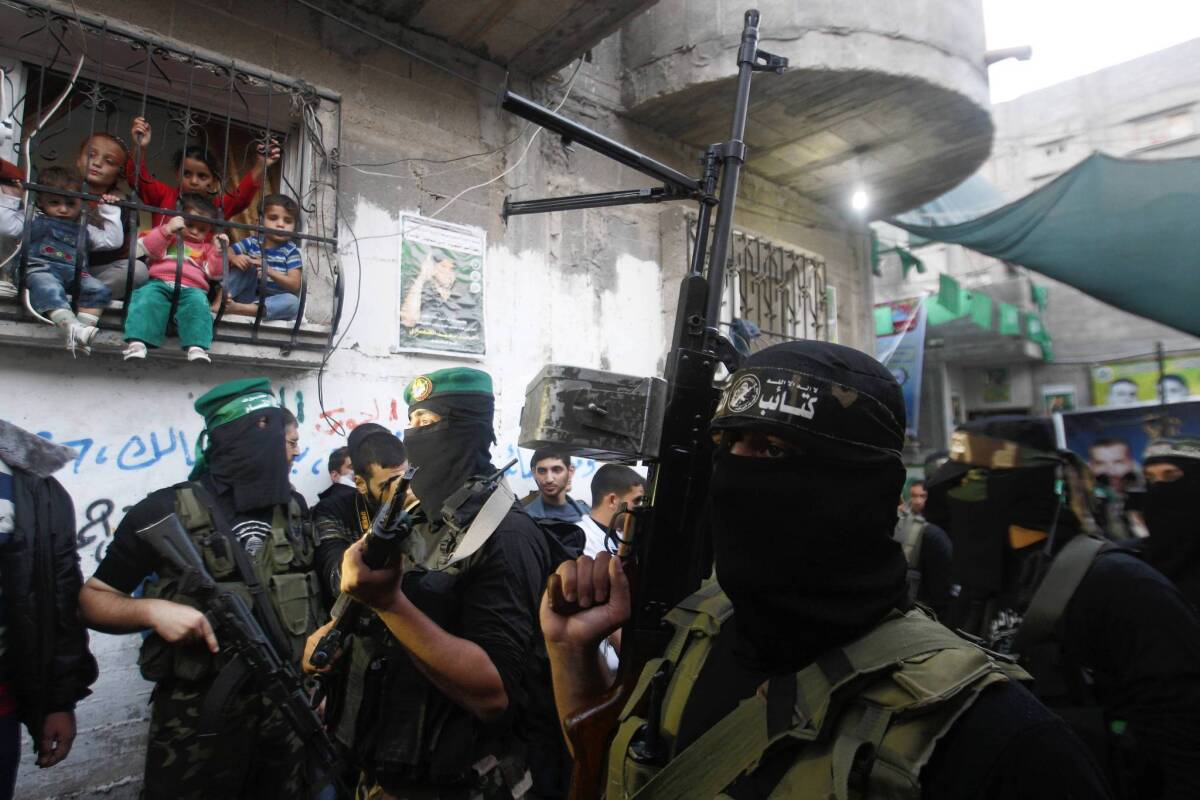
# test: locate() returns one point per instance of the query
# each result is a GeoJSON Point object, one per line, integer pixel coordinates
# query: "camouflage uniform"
{"type": "Point", "coordinates": [256, 753]}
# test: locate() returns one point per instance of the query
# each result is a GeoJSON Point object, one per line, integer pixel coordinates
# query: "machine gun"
{"type": "Point", "coordinates": [664, 421]}
{"type": "Point", "coordinates": [240, 635]}
{"type": "Point", "coordinates": [381, 548]}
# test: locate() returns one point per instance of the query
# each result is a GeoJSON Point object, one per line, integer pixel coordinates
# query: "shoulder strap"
{"type": "Point", "coordinates": [1052, 596]}
{"type": "Point", "coordinates": [793, 705]}
{"type": "Point", "coordinates": [262, 603]}
{"type": "Point", "coordinates": [494, 510]}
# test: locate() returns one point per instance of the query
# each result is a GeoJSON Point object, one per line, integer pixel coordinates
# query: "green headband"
{"type": "Point", "coordinates": [235, 409]}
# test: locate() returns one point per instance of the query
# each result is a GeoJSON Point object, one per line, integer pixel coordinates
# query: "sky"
{"type": "Point", "coordinates": [1074, 37]}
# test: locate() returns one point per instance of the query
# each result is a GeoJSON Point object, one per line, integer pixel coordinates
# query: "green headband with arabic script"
{"type": "Point", "coordinates": [224, 404]}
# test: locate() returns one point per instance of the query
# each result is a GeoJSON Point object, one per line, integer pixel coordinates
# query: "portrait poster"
{"type": "Point", "coordinates": [1112, 440]}
{"type": "Point", "coordinates": [1058, 397]}
{"type": "Point", "coordinates": [441, 304]}
{"type": "Point", "coordinates": [997, 385]}
{"type": "Point", "coordinates": [1123, 383]}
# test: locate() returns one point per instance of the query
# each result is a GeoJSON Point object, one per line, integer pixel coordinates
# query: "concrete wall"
{"type": "Point", "coordinates": [1145, 108]}
{"type": "Point", "coordinates": [592, 288]}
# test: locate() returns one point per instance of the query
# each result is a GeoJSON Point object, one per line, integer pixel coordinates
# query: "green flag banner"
{"type": "Point", "coordinates": [883, 320]}
{"type": "Point", "coordinates": [1010, 320]}
{"type": "Point", "coordinates": [981, 310]}
{"type": "Point", "coordinates": [1039, 295]}
{"type": "Point", "coordinates": [951, 296]}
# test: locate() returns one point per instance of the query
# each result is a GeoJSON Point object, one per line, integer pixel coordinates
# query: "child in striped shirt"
{"type": "Point", "coordinates": [281, 256]}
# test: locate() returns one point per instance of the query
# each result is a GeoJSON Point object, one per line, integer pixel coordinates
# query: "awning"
{"type": "Point", "coordinates": [1124, 231]}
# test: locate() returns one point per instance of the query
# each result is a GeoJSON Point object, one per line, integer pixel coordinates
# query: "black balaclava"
{"type": "Point", "coordinates": [248, 461]}
{"type": "Point", "coordinates": [1171, 515]}
{"type": "Point", "coordinates": [452, 450]}
{"type": "Point", "coordinates": [1009, 500]}
{"type": "Point", "coordinates": [803, 544]}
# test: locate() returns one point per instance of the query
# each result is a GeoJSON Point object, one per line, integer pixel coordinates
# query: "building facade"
{"type": "Point", "coordinates": [379, 143]}
{"type": "Point", "coordinates": [1146, 108]}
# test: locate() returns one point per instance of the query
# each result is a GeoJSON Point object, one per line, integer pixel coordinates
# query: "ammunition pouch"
{"type": "Point", "coordinates": [285, 567]}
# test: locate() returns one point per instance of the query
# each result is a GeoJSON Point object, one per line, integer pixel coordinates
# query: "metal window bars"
{"type": "Point", "coordinates": [780, 289]}
{"type": "Point", "coordinates": [95, 76]}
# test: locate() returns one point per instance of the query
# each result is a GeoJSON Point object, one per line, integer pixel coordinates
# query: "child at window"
{"type": "Point", "coordinates": [146, 323]}
{"type": "Point", "coordinates": [283, 261]}
{"type": "Point", "coordinates": [198, 169]}
{"type": "Point", "coordinates": [54, 238]}
{"type": "Point", "coordinates": [101, 162]}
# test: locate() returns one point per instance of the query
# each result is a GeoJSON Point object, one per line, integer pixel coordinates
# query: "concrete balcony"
{"type": "Point", "coordinates": [531, 37]}
{"type": "Point", "coordinates": [890, 95]}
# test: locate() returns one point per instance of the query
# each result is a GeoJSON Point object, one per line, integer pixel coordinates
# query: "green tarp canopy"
{"type": "Point", "coordinates": [1124, 231]}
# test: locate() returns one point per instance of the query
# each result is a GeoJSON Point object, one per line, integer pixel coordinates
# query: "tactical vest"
{"type": "Point", "coordinates": [863, 719]}
{"type": "Point", "coordinates": [285, 568]}
{"type": "Point", "coordinates": [910, 533]}
{"type": "Point", "coordinates": [411, 732]}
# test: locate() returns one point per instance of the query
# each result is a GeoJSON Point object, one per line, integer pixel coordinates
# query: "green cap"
{"type": "Point", "coordinates": [445, 382]}
{"type": "Point", "coordinates": [225, 403]}
{"type": "Point", "coordinates": [233, 400]}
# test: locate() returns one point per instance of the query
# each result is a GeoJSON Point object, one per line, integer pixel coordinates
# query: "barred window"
{"type": "Point", "coordinates": [70, 81]}
{"type": "Point", "coordinates": [781, 291]}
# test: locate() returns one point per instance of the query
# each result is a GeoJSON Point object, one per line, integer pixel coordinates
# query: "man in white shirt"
{"type": "Point", "coordinates": [612, 485]}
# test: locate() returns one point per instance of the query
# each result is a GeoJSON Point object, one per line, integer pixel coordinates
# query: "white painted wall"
{"type": "Point", "coordinates": [135, 429]}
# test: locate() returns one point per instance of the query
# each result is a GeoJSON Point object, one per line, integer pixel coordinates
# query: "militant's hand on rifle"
{"type": "Point", "coordinates": [585, 600]}
{"type": "Point", "coordinates": [377, 588]}
{"type": "Point", "coordinates": [311, 645]}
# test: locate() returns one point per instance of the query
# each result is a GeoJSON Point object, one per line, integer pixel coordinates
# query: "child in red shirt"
{"type": "Point", "coordinates": [199, 170]}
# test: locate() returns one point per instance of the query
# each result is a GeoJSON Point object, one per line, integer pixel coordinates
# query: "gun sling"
{"type": "Point", "coordinates": [226, 684]}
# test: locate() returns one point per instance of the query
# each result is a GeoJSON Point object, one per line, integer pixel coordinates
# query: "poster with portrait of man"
{"type": "Point", "coordinates": [441, 288]}
{"type": "Point", "coordinates": [1126, 383]}
{"type": "Point", "coordinates": [1112, 440]}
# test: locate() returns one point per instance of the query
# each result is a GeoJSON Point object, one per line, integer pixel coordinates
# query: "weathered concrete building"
{"type": "Point", "coordinates": [895, 101]}
{"type": "Point", "coordinates": [1141, 109]}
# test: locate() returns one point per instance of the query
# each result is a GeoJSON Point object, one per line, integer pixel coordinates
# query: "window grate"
{"type": "Point", "coordinates": [68, 75]}
{"type": "Point", "coordinates": [780, 289]}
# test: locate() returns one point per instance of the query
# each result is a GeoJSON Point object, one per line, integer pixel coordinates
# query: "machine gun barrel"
{"type": "Point", "coordinates": [574, 132]}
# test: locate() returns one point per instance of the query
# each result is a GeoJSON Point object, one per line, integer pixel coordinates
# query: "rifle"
{"type": "Point", "coordinates": [381, 548]}
{"type": "Point", "coordinates": [240, 635]}
{"type": "Point", "coordinates": [665, 421]}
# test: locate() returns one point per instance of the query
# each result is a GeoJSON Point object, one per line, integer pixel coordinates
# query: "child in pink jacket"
{"type": "Point", "coordinates": [146, 323]}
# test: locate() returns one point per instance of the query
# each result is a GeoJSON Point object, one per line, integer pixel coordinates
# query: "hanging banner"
{"type": "Point", "coordinates": [1123, 383]}
{"type": "Point", "coordinates": [441, 287]}
{"type": "Point", "coordinates": [1112, 440]}
{"type": "Point", "coordinates": [903, 352]}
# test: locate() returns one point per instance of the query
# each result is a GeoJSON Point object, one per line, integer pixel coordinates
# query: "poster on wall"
{"type": "Point", "coordinates": [1112, 440]}
{"type": "Point", "coordinates": [1123, 383]}
{"type": "Point", "coordinates": [997, 385]}
{"type": "Point", "coordinates": [1058, 397]}
{"type": "Point", "coordinates": [903, 352]}
{"type": "Point", "coordinates": [441, 288]}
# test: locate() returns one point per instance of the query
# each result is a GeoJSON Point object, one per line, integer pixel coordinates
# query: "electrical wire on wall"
{"type": "Point", "coordinates": [312, 133]}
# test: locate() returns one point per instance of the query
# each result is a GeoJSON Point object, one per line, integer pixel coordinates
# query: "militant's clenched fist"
{"type": "Point", "coordinates": [585, 600]}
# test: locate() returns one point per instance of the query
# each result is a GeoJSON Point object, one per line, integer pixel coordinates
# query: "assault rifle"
{"type": "Point", "coordinates": [381, 548]}
{"type": "Point", "coordinates": [628, 418]}
{"type": "Point", "coordinates": [240, 635]}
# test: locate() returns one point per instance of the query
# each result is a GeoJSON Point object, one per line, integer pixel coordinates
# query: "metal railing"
{"type": "Point", "coordinates": [84, 73]}
{"type": "Point", "coordinates": [779, 289]}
